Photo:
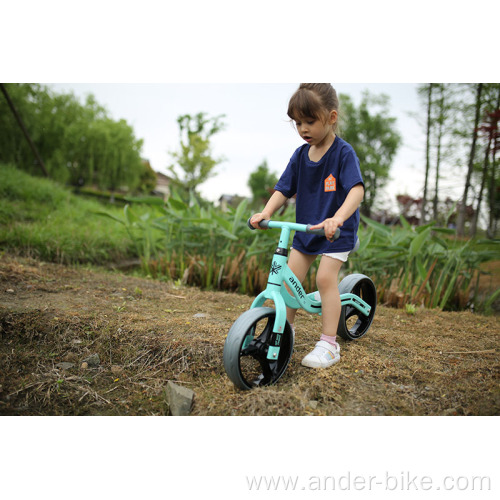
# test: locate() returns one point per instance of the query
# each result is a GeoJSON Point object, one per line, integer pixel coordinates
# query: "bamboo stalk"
{"type": "Point", "coordinates": [433, 265]}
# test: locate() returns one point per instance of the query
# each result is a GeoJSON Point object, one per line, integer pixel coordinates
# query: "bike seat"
{"type": "Point", "coordinates": [356, 247]}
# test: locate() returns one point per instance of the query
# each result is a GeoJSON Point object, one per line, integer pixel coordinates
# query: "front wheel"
{"type": "Point", "coordinates": [246, 348]}
{"type": "Point", "coordinates": [354, 324]}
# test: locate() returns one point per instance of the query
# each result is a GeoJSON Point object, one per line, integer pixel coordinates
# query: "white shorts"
{"type": "Point", "coordinates": [343, 255]}
{"type": "Point", "coordinates": [339, 255]}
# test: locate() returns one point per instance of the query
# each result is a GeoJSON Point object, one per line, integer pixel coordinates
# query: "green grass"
{"type": "Point", "coordinates": [203, 246]}
{"type": "Point", "coordinates": [40, 218]}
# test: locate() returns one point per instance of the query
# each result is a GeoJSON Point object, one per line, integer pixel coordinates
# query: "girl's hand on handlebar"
{"type": "Point", "coordinates": [330, 226]}
{"type": "Point", "coordinates": [256, 218]}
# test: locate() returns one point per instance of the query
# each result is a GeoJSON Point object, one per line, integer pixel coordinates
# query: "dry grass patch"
{"type": "Point", "coordinates": [146, 332]}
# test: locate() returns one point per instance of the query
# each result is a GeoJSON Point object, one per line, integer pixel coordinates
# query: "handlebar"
{"type": "Point", "coordinates": [306, 228]}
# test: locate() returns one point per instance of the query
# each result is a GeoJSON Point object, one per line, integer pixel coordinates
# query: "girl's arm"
{"type": "Point", "coordinates": [350, 205]}
{"type": "Point", "coordinates": [276, 201]}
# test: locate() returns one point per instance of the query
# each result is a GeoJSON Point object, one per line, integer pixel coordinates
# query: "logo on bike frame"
{"type": "Point", "coordinates": [297, 286]}
{"type": "Point", "coordinates": [275, 268]}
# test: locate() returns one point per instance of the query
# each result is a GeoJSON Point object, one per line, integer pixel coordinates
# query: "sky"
{"type": "Point", "coordinates": [257, 126]}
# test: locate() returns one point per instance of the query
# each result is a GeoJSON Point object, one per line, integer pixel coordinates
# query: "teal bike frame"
{"type": "Point", "coordinates": [279, 274]}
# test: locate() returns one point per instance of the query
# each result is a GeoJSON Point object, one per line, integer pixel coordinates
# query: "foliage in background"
{"type": "Point", "coordinates": [372, 133]}
{"type": "Point", "coordinates": [194, 158]}
{"type": "Point", "coordinates": [426, 265]}
{"type": "Point", "coordinates": [201, 246]}
{"type": "Point", "coordinates": [189, 239]}
{"type": "Point", "coordinates": [260, 180]}
{"type": "Point", "coordinates": [79, 144]}
{"type": "Point", "coordinates": [455, 145]}
{"type": "Point", "coordinates": [490, 182]}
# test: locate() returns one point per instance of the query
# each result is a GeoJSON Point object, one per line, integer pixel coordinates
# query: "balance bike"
{"type": "Point", "coordinates": [259, 345]}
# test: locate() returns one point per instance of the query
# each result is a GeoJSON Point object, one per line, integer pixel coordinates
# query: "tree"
{"type": "Point", "coordinates": [444, 107]}
{"type": "Point", "coordinates": [148, 178]}
{"type": "Point", "coordinates": [14, 148]}
{"type": "Point", "coordinates": [371, 132]}
{"type": "Point", "coordinates": [491, 135]}
{"type": "Point", "coordinates": [494, 182]}
{"type": "Point", "coordinates": [120, 163]}
{"type": "Point", "coordinates": [79, 143]}
{"type": "Point", "coordinates": [427, 89]}
{"type": "Point", "coordinates": [454, 112]}
{"type": "Point", "coordinates": [470, 167]}
{"type": "Point", "coordinates": [20, 122]}
{"type": "Point", "coordinates": [259, 182]}
{"type": "Point", "coordinates": [195, 156]}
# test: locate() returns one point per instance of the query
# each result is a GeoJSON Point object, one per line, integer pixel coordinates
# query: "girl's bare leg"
{"type": "Point", "coordinates": [299, 263]}
{"type": "Point", "coordinates": [327, 281]}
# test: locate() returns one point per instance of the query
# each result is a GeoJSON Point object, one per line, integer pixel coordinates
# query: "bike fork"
{"type": "Point", "coordinates": [273, 292]}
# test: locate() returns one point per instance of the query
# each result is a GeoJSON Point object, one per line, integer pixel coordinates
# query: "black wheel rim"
{"type": "Point", "coordinates": [254, 368]}
{"type": "Point", "coordinates": [356, 322]}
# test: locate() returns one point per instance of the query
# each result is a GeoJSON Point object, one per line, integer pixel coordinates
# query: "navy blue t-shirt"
{"type": "Point", "coordinates": [321, 189]}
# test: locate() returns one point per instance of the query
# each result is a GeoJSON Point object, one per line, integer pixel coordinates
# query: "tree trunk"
{"type": "Point", "coordinates": [24, 130]}
{"type": "Point", "coordinates": [463, 204]}
{"type": "Point", "coordinates": [438, 160]}
{"type": "Point", "coordinates": [492, 223]}
{"type": "Point", "coordinates": [475, 217]}
{"type": "Point", "coordinates": [427, 153]}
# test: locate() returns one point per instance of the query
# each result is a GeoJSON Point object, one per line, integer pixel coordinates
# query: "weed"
{"type": "Point", "coordinates": [410, 309]}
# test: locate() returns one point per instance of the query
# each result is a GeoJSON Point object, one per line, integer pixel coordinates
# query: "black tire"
{"type": "Point", "coordinates": [353, 324]}
{"type": "Point", "coordinates": [248, 366]}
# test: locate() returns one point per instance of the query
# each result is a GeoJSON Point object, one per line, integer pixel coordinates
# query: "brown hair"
{"type": "Point", "coordinates": [313, 100]}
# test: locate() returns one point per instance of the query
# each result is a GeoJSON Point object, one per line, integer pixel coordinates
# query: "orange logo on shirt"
{"type": "Point", "coordinates": [330, 184]}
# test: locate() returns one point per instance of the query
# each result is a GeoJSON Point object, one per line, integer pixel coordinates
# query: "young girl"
{"type": "Point", "coordinates": [324, 174]}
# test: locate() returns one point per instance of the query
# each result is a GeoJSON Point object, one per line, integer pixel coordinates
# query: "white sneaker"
{"type": "Point", "coordinates": [323, 355]}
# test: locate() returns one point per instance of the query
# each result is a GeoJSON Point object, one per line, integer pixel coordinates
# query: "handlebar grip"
{"type": "Point", "coordinates": [264, 224]}
{"type": "Point", "coordinates": [321, 232]}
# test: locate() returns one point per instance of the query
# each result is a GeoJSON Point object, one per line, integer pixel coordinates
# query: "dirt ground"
{"type": "Point", "coordinates": [54, 320]}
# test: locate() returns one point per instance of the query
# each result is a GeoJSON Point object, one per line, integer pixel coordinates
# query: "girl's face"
{"type": "Point", "coordinates": [314, 131]}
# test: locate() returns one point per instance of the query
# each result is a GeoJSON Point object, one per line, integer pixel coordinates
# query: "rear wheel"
{"type": "Point", "coordinates": [353, 323]}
